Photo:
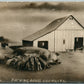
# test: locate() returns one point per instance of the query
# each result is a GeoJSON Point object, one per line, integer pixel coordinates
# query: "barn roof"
{"type": "Point", "coordinates": [49, 28]}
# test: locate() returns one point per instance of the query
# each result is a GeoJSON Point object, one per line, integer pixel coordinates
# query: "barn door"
{"type": "Point", "coordinates": [43, 44]}
{"type": "Point", "coordinates": [78, 43]}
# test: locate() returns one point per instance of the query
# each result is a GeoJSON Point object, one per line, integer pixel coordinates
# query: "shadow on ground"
{"type": "Point", "coordinates": [70, 70]}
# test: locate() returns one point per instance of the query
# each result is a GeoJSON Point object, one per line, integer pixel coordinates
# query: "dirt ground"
{"type": "Point", "coordinates": [70, 70]}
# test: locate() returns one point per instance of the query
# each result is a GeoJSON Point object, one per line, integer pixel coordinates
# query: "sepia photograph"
{"type": "Point", "coordinates": [42, 42]}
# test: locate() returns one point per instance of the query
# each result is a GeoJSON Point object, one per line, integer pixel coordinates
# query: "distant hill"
{"type": "Point", "coordinates": [69, 6]}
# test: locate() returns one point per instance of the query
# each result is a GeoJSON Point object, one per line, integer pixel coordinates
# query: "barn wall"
{"type": "Point", "coordinates": [69, 37]}
{"type": "Point", "coordinates": [67, 31]}
{"type": "Point", "coordinates": [70, 24]}
{"type": "Point", "coordinates": [48, 37]}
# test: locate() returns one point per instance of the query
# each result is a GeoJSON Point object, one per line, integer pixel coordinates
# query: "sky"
{"type": "Point", "coordinates": [39, 0]}
{"type": "Point", "coordinates": [20, 19]}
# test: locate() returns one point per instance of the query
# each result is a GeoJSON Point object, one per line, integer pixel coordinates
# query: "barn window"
{"type": "Point", "coordinates": [43, 44]}
{"type": "Point", "coordinates": [71, 18]}
{"type": "Point", "coordinates": [64, 41]}
{"type": "Point", "coordinates": [27, 43]}
{"type": "Point", "coordinates": [76, 39]}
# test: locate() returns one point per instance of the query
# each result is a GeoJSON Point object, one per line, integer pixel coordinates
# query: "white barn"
{"type": "Point", "coordinates": [62, 34]}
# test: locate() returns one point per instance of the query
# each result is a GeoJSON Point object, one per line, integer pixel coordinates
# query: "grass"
{"type": "Point", "coordinates": [70, 70]}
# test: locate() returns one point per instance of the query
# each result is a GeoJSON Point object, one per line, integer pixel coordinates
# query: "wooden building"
{"type": "Point", "coordinates": [62, 34]}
